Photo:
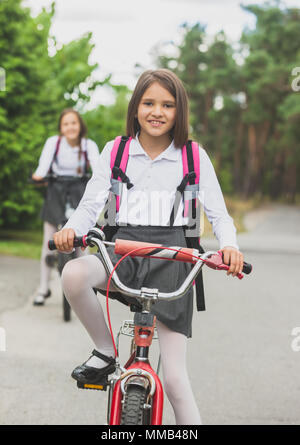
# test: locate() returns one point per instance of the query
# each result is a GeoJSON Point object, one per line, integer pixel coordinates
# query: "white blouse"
{"type": "Point", "coordinates": [67, 160]}
{"type": "Point", "coordinates": [150, 200]}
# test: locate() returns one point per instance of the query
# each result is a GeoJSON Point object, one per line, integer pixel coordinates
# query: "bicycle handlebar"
{"type": "Point", "coordinates": [155, 251]}
{"type": "Point", "coordinates": [95, 237]}
{"type": "Point", "coordinates": [58, 178]}
{"type": "Point", "coordinates": [185, 254]}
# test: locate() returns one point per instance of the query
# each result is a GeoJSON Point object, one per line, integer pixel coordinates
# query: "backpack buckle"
{"type": "Point", "coordinates": [192, 176]}
{"type": "Point", "coordinates": [118, 172]}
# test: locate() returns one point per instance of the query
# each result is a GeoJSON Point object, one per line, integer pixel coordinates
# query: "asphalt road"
{"type": "Point", "coordinates": [241, 362]}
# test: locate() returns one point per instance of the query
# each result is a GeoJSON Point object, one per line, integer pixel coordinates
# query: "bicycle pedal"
{"type": "Point", "coordinates": [99, 386]}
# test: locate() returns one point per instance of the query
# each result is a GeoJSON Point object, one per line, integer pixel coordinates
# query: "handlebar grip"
{"type": "Point", "coordinates": [79, 241]}
{"type": "Point", "coordinates": [51, 245]}
{"type": "Point", "coordinates": [247, 268]}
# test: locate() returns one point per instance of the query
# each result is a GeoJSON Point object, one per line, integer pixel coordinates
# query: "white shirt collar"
{"type": "Point", "coordinates": [171, 152]}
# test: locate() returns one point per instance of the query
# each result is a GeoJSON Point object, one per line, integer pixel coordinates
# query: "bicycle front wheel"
{"type": "Point", "coordinates": [133, 412]}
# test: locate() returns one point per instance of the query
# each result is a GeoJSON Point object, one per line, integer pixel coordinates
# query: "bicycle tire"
{"type": "Point", "coordinates": [62, 261]}
{"type": "Point", "coordinates": [133, 407]}
{"type": "Point", "coordinates": [66, 309]}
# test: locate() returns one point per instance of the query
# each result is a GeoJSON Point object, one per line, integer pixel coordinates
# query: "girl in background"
{"type": "Point", "coordinates": [69, 153]}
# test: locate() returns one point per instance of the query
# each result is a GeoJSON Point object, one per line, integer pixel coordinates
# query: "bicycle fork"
{"type": "Point", "coordinates": [138, 373]}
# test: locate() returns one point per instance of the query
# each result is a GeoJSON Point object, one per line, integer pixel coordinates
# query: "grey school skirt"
{"type": "Point", "coordinates": [54, 207]}
{"type": "Point", "coordinates": [165, 275]}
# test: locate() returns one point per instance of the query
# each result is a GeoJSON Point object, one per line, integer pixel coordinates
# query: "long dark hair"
{"type": "Point", "coordinates": [168, 80]}
{"type": "Point", "coordinates": [82, 132]}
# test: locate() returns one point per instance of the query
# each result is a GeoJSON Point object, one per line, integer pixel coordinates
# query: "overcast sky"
{"type": "Point", "coordinates": [125, 31]}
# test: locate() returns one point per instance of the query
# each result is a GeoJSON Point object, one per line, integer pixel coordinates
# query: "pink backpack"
{"type": "Point", "coordinates": [190, 164]}
{"type": "Point", "coordinates": [188, 189]}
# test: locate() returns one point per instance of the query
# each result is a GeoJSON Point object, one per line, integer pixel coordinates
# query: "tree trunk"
{"type": "Point", "coordinates": [277, 179]}
{"type": "Point", "coordinates": [208, 106]}
{"type": "Point", "coordinates": [251, 162]}
{"type": "Point", "coordinates": [262, 141]}
{"type": "Point", "coordinates": [218, 150]}
{"type": "Point", "coordinates": [237, 164]}
{"type": "Point", "coordinates": [290, 179]}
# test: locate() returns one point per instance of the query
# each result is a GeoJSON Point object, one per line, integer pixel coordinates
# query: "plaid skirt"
{"type": "Point", "coordinates": [164, 275]}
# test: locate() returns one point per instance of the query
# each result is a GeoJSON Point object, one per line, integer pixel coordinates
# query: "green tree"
{"type": "Point", "coordinates": [273, 146]}
{"type": "Point", "coordinates": [212, 80]}
{"type": "Point", "coordinates": [38, 87]}
{"type": "Point", "coordinates": [243, 108]}
{"type": "Point", "coordinates": [106, 122]}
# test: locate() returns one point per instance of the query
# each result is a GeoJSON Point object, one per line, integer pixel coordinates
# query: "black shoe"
{"type": "Point", "coordinates": [91, 375]}
{"type": "Point", "coordinates": [40, 298]}
{"type": "Point", "coordinates": [48, 294]}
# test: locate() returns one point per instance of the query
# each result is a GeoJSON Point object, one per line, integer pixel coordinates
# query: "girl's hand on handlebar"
{"type": "Point", "coordinates": [37, 178]}
{"type": "Point", "coordinates": [234, 258]}
{"type": "Point", "coordinates": [64, 240]}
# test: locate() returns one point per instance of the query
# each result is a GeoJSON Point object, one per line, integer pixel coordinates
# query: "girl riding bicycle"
{"type": "Point", "coordinates": [67, 154]}
{"type": "Point", "coordinates": [157, 121]}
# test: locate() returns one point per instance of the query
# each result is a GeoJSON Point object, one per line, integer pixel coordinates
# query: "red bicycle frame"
{"type": "Point", "coordinates": [142, 339]}
{"type": "Point", "coordinates": [158, 398]}
{"type": "Point", "coordinates": [144, 324]}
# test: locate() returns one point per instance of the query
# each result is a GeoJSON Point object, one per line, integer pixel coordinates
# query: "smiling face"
{"type": "Point", "coordinates": [156, 112]}
{"type": "Point", "coordinates": [70, 127]}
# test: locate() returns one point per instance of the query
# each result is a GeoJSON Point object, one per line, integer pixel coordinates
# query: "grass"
{"type": "Point", "coordinates": [28, 243]}
{"type": "Point", "coordinates": [237, 208]}
{"type": "Point", "coordinates": [21, 243]}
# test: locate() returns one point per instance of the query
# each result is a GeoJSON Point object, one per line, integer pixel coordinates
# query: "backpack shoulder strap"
{"type": "Point", "coordinates": [191, 167]}
{"type": "Point", "coordinates": [55, 153]}
{"type": "Point", "coordinates": [189, 186]}
{"type": "Point", "coordinates": [118, 164]}
{"type": "Point", "coordinates": [86, 158]}
{"type": "Point", "coordinates": [119, 154]}
{"type": "Point", "coordinates": [86, 161]}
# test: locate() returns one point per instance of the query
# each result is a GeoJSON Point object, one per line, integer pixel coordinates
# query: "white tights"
{"type": "Point", "coordinates": [79, 277]}
{"type": "Point", "coordinates": [45, 270]}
